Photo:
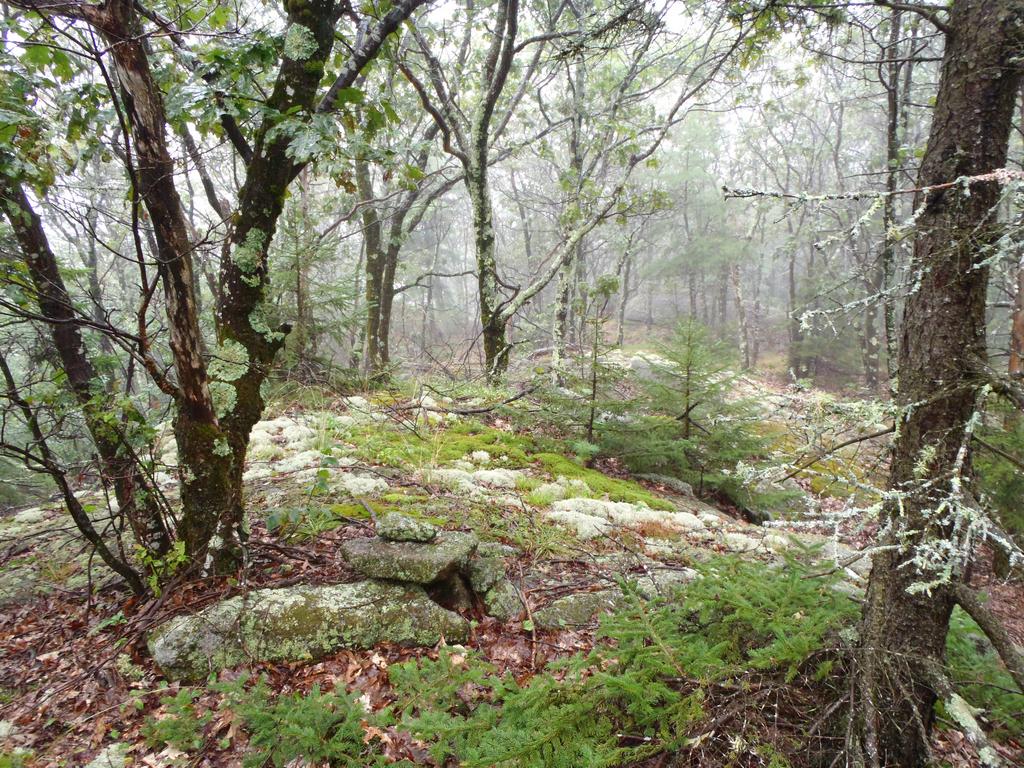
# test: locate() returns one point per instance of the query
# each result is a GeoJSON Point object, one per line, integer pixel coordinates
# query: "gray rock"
{"type": "Point", "coordinates": [672, 483]}
{"type": "Point", "coordinates": [485, 569]}
{"type": "Point", "coordinates": [662, 581]}
{"type": "Point", "coordinates": [852, 560]}
{"type": "Point", "coordinates": [113, 756]}
{"type": "Point", "coordinates": [299, 624]}
{"type": "Point", "coordinates": [578, 609]}
{"type": "Point", "coordinates": [411, 561]}
{"type": "Point", "coordinates": [397, 527]}
{"type": "Point", "coordinates": [453, 593]}
{"type": "Point", "coordinates": [503, 601]}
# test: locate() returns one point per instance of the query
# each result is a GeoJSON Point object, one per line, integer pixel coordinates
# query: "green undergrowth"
{"type": "Point", "coordinates": [522, 528]}
{"type": "Point", "coordinates": [981, 677]}
{"type": "Point", "coordinates": [649, 685]}
{"type": "Point", "coordinates": [393, 445]}
{"type": "Point", "coordinates": [280, 730]}
{"type": "Point", "coordinates": [655, 683]}
{"type": "Point", "coordinates": [15, 759]}
{"type": "Point", "coordinates": [600, 485]}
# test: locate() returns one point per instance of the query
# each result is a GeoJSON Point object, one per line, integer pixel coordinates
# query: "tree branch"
{"type": "Point", "coordinates": [994, 630]}
{"type": "Point", "coordinates": [931, 13]}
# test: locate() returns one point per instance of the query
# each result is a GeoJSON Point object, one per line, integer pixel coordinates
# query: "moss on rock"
{"type": "Point", "coordinates": [393, 526]}
{"type": "Point", "coordinates": [578, 609]}
{"type": "Point", "coordinates": [300, 624]}
{"type": "Point", "coordinates": [411, 561]}
{"type": "Point", "coordinates": [503, 601]}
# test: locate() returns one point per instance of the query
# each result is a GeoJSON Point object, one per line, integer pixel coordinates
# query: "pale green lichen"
{"type": "Point", "coordinates": [301, 623]}
{"type": "Point", "coordinates": [299, 43]}
{"type": "Point", "coordinates": [221, 447]}
{"type": "Point", "coordinates": [248, 256]}
{"type": "Point", "coordinates": [224, 397]}
{"type": "Point", "coordinates": [230, 361]}
{"type": "Point", "coordinates": [260, 323]}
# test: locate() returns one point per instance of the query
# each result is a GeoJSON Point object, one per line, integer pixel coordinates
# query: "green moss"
{"type": "Point", "coordinates": [526, 484]}
{"type": "Point", "coordinates": [351, 511]}
{"type": "Point", "coordinates": [400, 498]}
{"type": "Point", "coordinates": [391, 445]}
{"type": "Point", "coordinates": [599, 484]}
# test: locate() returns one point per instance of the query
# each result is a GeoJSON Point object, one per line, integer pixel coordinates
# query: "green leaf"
{"type": "Point", "coordinates": [349, 96]}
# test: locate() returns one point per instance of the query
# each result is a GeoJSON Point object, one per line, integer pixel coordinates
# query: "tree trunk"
{"type": "Point", "coordinates": [374, 362]}
{"type": "Point", "coordinates": [496, 349]}
{"type": "Point", "coordinates": [883, 275]}
{"type": "Point", "coordinates": [741, 314]}
{"type": "Point", "coordinates": [722, 300]}
{"type": "Point", "coordinates": [796, 334]}
{"type": "Point", "coordinates": [942, 341]}
{"type": "Point", "coordinates": [387, 296]}
{"type": "Point", "coordinates": [243, 320]}
{"type": "Point", "coordinates": [1017, 331]}
{"type": "Point", "coordinates": [627, 266]}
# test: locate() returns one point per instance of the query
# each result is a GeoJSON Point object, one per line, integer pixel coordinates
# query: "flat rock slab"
{"type": "Point", "coordinates": [397, 527]}
{"type": "Point", "coordinates": [578, 609]}
{"type": "Point", "coordinates": [420, 563]}
{"type": "Point", "coordinates": [300, 624]}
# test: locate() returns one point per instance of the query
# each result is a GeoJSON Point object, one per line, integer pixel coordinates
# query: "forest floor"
{"type": "Point", "coordinates": [78, 686]}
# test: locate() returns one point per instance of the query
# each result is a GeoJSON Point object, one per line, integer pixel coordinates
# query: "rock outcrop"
{"type": "Point", "coordinates": [395, 527]}
{"type": "Point", "coordinates": [412, 561]}
{"type": "Point", "coordinates": [409, 568]}
{"type": "Point", "coordinates": [301, 623]}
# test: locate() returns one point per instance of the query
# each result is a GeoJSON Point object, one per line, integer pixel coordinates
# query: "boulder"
{"type": "Point", "coordinates": [578, 609]}
{"type": "Point", "coordinates": [672, 483]}
{"type": "Point", "coordinates": [300, 624]}
{"type": "Point", "coordinates": [411, 561]}
{"type": "Point", "coordinates": [503, 601]}
{"type": "Point", "coordinates": [112, 756]}
{"type": "Point", "coordinates": [487, 567]}
{"type": "Point", "coordinates": [661, 581]}
{"type": "Point", "coordinates": [586, 526]}
{"type": "Point", "coordinates": [397, 527]}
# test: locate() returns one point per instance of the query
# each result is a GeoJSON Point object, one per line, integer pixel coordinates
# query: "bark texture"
{"type": "Point", "coordinates": [942, 340]}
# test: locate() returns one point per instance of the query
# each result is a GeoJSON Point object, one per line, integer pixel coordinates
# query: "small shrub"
{"type": "Point", "coordinates": [179, 725]}
{"type": "Point", "coordinates": [316, 727]}
{"type": "Point", "coordinates": [981, 677]}
{"type": "Point", "coordinates": [646, 688]}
